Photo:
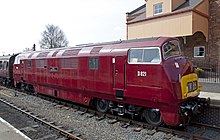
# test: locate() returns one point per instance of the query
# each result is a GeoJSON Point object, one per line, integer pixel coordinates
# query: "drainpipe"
{"type": "Point", "coordinates": [127, 25]}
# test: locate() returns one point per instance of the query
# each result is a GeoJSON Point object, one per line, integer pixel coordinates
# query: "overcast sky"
{"type": "Point", "coordinates": [83, 21]}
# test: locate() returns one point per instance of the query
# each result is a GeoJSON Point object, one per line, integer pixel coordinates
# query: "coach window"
{"type": "Point", "coordinates": [93, 63]}
{"type": "Point", "coordinates": [29, 63]}
{"type": "Point", "coordinates": [5, 65]}
{"type": "Point", "coordinates": [0, 65]}
{"type": "Point", "coordinates": [144, 56]}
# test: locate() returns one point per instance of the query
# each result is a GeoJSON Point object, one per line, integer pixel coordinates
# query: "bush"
{"type": "Point", "coordinates": [199, 69]}
{"type": "Point", "coordinates": [200, 72]}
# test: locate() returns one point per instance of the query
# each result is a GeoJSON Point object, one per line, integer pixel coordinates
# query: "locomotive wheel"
{"type": "Point", "coordinates": [102, 105]}
{"type": "Point", "coordinates": [153, 116]}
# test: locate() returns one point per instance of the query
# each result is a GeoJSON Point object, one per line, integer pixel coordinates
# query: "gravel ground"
{"type": "Point", "coordinates": [28, 126]}
{"type": "Point", "coordinates": [89, 128]}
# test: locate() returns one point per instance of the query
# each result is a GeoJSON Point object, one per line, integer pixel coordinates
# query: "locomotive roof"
{"type": "Point", "coordinates": [98, 49]}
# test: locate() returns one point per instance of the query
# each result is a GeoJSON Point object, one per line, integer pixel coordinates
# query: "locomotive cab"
{"type": "Point", "coordinates": [166, 79]}
{"type": "Point", "coordinates": [180, 81]}
{"type": "Point", "coordinates": [180, 72]}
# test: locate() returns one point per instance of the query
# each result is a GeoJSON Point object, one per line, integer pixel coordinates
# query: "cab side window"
{"type": "Point", "coordinates": [144, 55]}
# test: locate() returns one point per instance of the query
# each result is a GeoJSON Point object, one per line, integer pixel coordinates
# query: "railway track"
{"type": "Point", "coordinates": [205, 130]}
{"type": "Point", "coordinates": [211, 115]}
{"type": "Point", "coordinates": [197, 131]}
{"type": "Point", "coordinates": [50, 125]}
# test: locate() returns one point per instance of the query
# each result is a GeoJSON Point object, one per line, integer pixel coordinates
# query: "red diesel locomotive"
{"type": "Point", "coordinates": [146, 77]}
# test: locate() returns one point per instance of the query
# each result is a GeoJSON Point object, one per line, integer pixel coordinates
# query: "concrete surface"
{"type": "Point", "coordinates": [8, 132]}
{"type": "Point", "coordinates": [212, 95]}
{"type": "Point", "coordinates": [211, 87]}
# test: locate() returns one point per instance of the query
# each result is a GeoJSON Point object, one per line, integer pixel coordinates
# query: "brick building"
{"type": "Point", "coordinates": [195, 22]}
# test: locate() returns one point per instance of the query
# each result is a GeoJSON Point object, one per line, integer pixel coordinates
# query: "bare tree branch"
{"type": "Point", "coordinates": [53, 37]}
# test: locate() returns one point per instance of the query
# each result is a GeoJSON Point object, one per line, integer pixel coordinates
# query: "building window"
{"type": "Point", "coordinates": [199, 51]}
{"type": "Point", "coordinates": [158, 8]}
{"type": "Point", "coordinates": [93, 63]}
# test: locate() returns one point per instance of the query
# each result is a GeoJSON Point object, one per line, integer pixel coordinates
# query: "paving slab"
{"type": "Point", "coordinates": [8, 132]}
{"type": "Point", "coordinates": [215, 97]}
{"type": "Point", "coordinates": [212, 95]}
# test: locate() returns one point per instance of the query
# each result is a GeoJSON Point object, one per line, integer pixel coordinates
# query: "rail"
{"type": "Point", "coordinates": [113, 119]}
{"type": "Point", "coordinates": [61, 131]}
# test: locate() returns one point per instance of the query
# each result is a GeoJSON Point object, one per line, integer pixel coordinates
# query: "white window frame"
{"type": "Point", "coordinates": [158, 9]}
{"type": "Point", "coordinates": [194, 49]}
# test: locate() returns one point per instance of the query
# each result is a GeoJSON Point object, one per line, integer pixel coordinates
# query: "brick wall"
{"type": "Point", "coordinates": [198, 39]}
{"type": "Point", "coordinates": [214, 31]}
{"type": "Point", "coordinates": [212, 48]}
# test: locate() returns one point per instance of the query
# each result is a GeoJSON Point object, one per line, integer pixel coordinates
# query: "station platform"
{"type": "Point", "coordinates": [215, 97]}
{"type": "Point", "coordinates": [212, 95]}
{"type": "Point", "coordinates": [8, 132]}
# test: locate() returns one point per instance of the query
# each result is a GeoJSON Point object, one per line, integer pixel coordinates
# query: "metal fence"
{"type": "Point", "coordinates": [208, 72]}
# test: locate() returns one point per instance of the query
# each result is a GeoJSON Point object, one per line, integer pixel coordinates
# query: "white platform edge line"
{"type": "Point", "coordinates": [16, 130]}
{"type": "Point", "coordinates": [209, 92]}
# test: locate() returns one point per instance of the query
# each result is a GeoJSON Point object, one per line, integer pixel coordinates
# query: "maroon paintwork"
{"type": "Point", "coordinates": [4, 69]}
{"type": "Point", "coordinates": [159, 89]}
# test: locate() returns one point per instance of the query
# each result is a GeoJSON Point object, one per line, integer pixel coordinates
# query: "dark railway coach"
{"type": "Point", "coordinates": [6, 69]}
{"type": "Point", "coordinates": [146, 77]}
